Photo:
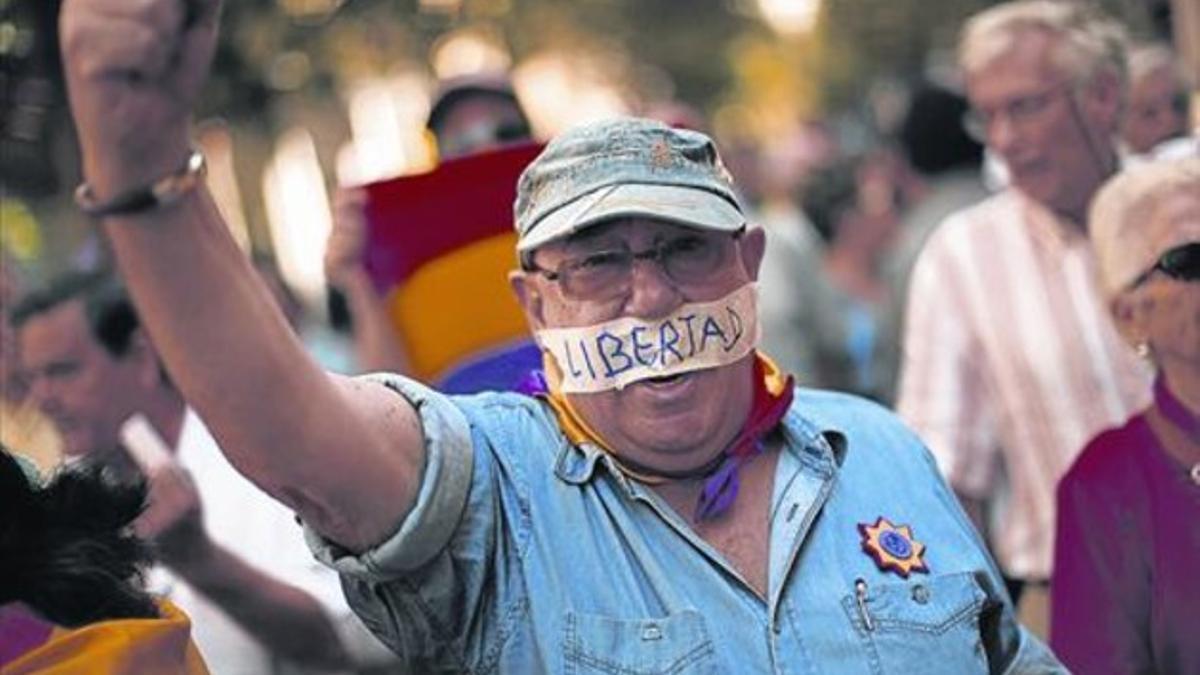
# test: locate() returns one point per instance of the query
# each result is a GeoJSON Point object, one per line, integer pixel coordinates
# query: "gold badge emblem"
{"type": "Point", "coordinates": [893, 548]}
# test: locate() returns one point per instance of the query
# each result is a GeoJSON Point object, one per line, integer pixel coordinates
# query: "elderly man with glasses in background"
{"type": "Point", "coordinates": [665, 501]}
{"type": "Point", "coordinates": [1010, 361]}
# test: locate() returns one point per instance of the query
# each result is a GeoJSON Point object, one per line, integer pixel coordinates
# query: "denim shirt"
{"type": "Point", "coordinates": [526, 554]}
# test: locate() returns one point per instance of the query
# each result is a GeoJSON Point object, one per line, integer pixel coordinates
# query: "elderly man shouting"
{"type": "Point", "coordinates": [662, 501]}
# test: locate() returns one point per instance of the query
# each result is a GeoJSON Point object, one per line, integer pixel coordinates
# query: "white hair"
{"type": "Point", "coordinates": [1147, 58]}
{"type": "Point", "coordinates": [1088, 42]}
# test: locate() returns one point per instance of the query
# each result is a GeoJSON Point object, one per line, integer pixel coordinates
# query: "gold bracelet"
{"type": "Point", "coordinates": [164, 191]}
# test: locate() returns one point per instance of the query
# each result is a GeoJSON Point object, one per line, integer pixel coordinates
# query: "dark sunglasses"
{"type": "Point", "coordinates": [1181, 262]}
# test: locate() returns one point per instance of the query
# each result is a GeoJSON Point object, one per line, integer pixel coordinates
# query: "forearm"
{"type": "Point", "coordinates": [226, 345]}
{"type": "Point", "coordinates": [346, 455]}
{"type": "Point", "coordinates": [279, 418]}
{"type": "Point", "coordinates": [286, 620]}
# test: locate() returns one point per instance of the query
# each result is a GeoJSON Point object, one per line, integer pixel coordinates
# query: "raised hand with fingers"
{"type": "Point", "coordinates": [174, 517]}
{"type": "Point", "coordinates": [348, 239]}
{"type": "Point", "coordinates": [134, 69]}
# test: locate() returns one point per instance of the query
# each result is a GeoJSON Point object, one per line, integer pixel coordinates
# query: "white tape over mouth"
{"type": "Point", "coordinates": [616, 353]}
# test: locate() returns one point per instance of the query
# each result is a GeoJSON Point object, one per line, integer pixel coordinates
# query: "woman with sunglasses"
{"type": "Point", "coordinates": [1124, 593]}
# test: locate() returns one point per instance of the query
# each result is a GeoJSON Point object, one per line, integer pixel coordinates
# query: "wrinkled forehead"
{"type": "Point", "coordinates": [66, 317]}
{"type": "Point", "coordinates": [1029, 51]}
{"type": "Point", "coordinates": [58, 333]}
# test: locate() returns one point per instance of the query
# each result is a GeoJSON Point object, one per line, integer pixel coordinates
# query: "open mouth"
{"type": "Point", "coordinates": [666, 380]}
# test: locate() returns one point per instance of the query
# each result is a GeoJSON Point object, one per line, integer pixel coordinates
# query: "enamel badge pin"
{"type": "Point", "coordinates": [893, 548]}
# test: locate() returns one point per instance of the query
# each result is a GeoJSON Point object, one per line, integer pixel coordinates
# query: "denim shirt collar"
{"type": "Point", "coordinates": [820, 447]}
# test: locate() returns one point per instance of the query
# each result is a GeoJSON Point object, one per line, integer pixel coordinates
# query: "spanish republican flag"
{"type": "Point", "coordinates": [439, 249]}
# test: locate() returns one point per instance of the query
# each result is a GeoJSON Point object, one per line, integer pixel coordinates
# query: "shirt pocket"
{"type": "Point", "coordinates": [677, 644]}
{"type": "Point", "coordinates": [930, 620]}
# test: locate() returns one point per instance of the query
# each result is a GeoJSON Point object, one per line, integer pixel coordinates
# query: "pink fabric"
{"type": "Point", "coordinates": [1125, 594]}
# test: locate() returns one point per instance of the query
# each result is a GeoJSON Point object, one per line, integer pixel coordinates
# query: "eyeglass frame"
{"type": "Point", "coordinates": [655, 254]}
{"type": "Point", "coordinates": [1167, 265]}
{"type": "Point", "coordinates": [1020, 110]}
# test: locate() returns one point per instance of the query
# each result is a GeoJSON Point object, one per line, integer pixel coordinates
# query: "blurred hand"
{"type": "Point", "coordinates": [174, 517]}
{"type": "Point", "coordinates": [134, 69]}
{"type": "Point", "coordinates": [348, 238]}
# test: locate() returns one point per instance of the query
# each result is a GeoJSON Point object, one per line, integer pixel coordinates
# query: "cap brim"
{"type": "Point", "coordinates": [1128, 256]}
{"type": "Point", "coordinates": [686, 206]}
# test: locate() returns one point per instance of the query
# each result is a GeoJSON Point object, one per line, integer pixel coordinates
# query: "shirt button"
{"type": "Point", "coordinates": [920, 594]}
{"type": "Point", "coordinates": [651, 632]}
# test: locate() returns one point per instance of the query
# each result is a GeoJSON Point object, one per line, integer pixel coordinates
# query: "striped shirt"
{"type": "Point", "coordinates": [1010, 354]}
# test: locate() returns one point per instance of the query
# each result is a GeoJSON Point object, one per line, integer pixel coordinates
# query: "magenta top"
{"type": "Point", "coordinates": [1125, 592]}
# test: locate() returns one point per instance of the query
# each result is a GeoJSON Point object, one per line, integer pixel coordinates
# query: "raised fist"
{"type": "Point", "coordinates": [134, 69]}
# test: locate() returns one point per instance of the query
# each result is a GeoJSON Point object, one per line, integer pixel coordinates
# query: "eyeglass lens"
{"type": "Point", "coordinates": [686, 260]}
{"type": "Point", "coordinates": [1181, 262]}
{"type": "Point", "coordinates": [1019, 110]}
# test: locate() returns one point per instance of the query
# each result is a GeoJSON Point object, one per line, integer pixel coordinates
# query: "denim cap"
{"type": "Point", "coordinates": [620, 168]}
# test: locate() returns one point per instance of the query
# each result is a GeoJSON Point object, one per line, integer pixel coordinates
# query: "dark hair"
{"type": "Point", "coordinates": [932, 132]}
{"type": "Point", "coordinates": [106, 306]}
{"type": "Point", "coordinates": [458, 90]}
{"type": "Point", "coordinates": [67, 549]}
{"type": "Point", "coordinates": [827, 193]}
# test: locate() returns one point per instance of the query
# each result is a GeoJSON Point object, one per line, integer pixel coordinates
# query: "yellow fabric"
{"type": "Point", "coordinates": [574, 427]}
{"type": "Point", "coordinates": [458, 305]}
{"type": "Point", "coordinates": [775, 378]}
{"type": "Point", "coordinates": [26, 431]}
{"type": "Point", "coordinates": [160, 646]}
{"type": "Point", "coordinates": [577, 430]}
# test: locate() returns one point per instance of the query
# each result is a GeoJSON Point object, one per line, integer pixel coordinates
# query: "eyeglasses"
{"type": "Point", "coordinates": [1181, 262]}
{"type": "Point", "coordinates": [1020, 110]}
{"type": "Point", "coordinates": [688, 260]}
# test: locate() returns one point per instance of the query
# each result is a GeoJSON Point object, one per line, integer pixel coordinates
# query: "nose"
{"type": "Point", "coordinates": [42, 393]}
{"type": "Point", "coordinates": [1001, 133]}
{"type": "Point", "coordinates": [652, 294]}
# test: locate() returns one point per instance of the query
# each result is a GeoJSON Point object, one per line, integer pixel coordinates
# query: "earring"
{"type": "Point", "coordinates": [1143, 350]}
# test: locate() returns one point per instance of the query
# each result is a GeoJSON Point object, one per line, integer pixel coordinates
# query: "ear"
{"type": "Point", "coordinates": [754, 246]}
{"type": "Point", "coordinates": [143, 358]}
{"type": "Point", "coordinates": [529, 296]}
{"type": "Point", "coordinates": [1129, 311]}
{"type": "Point", "coordinates": [1104, 99]}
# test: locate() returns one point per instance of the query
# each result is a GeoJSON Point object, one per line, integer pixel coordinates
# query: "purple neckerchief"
{"type": "Point", "coordinates": [721, 487]}
{"type": "Point", "coordinates": [1174, 410]}
{"type": "Point", "coordinates": [533, 384]}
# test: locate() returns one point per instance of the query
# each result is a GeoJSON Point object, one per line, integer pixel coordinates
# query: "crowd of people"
{"type": "Point", "coordinates": [928, 405]}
